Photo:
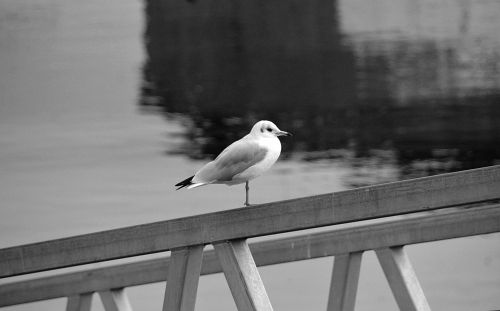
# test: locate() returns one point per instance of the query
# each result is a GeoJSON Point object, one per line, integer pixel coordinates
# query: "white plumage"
{"type": "Point", "coordinates": [243, 160]}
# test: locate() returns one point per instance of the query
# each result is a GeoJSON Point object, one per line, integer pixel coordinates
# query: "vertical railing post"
{"type": "Point", "coordinates": [242, 276]}
{"type": "Point", "coordinates": [402, 279]}
{"type": "Point", "coordinates": [344, 283]}
{"type": "Point", "coordinates": [115, 300]}
{"type": "Point", "coordinates": [182, 280]}
{"type": "Point", "coordinates": [82, 302]}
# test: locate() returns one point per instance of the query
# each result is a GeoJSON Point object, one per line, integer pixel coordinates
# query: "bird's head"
{"type": "Point", "coordinates": [267, 129]}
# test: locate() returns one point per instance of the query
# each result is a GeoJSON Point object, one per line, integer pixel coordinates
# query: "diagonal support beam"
{"type": "Point", "coordinates": [115, 300]}
{"type": "Point", "coordinates": [81, 302]}
{"type": "Point", "coordinates": [402, 279]}
{"type": "Point", "coordinates": [344, 283]}
{"type": "Point", "coordinates": [242, 276]}
{"type": "Point", "coordinates": [183, 276]}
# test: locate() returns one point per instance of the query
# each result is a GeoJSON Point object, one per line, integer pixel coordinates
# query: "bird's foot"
{"type": "Point", "coordinates": [247, 204]}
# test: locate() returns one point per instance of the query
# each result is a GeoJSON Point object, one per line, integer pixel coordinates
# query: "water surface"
{"type": "Point", "coordinates": [360, 83]}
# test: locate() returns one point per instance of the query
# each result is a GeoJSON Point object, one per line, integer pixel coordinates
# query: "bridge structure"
{"type": "Point", "coordinates": [446, 206]}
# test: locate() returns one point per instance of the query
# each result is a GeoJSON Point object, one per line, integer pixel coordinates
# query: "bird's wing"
{"type": "Point", "coordinates": [233, 160]}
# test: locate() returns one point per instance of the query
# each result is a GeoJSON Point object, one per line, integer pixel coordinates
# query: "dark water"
{"type": "Point", "coordinates": [350, 88]}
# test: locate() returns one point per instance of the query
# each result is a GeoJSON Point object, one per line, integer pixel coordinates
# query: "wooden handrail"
{"type": "Point", "coordinates": [394, 231]}
{"type": "Point", "coordinates": [310, 212]}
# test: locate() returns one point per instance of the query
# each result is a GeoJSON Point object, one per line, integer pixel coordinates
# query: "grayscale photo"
{"type": "Point", "coordinates": [249, 155]}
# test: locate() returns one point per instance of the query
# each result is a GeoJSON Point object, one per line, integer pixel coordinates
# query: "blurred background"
{"type": "Point", "coordinates": [104, 106]}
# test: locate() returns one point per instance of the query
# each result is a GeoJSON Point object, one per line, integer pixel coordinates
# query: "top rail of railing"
{"type": "Point", "coordinates": [310, 212]}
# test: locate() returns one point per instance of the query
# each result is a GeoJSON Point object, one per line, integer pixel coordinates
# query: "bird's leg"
{"type": "Point", "coordinates": [247, 188]}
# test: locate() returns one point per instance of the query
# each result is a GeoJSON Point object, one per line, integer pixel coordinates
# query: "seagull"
{"type": "Point", "coordinates": [242, 161]}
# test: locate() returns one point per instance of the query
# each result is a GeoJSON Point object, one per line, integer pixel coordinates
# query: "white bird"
{"type": "Point", "coordinates": [241, 161]}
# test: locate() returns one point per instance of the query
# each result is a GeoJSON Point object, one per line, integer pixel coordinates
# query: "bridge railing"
{"type": "Point", "coordinates": [439, 207]}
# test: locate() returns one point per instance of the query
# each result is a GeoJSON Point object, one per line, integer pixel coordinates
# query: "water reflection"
{"type": "Point", "coordinates": [351, 87]}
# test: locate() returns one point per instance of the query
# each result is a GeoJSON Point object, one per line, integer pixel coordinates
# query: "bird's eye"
{"type": "Point", "coordinates": [269, 129]}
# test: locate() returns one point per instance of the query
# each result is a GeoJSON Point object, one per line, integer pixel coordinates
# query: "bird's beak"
{"type": "Point", "coordinates": [283, 133]}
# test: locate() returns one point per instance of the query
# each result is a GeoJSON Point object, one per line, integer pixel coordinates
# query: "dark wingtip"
{"type": "Point", "coordinates": [186, 182]}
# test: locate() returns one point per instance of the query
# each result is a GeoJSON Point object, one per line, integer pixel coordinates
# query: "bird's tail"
{"type": "Point", "coordinates": [185, 183]}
